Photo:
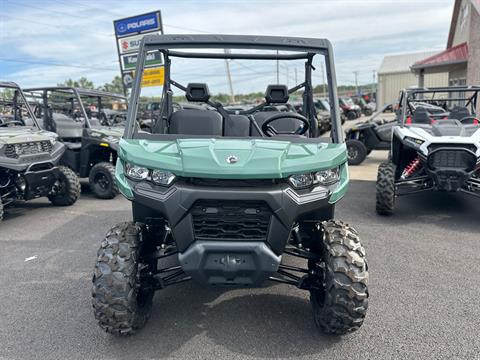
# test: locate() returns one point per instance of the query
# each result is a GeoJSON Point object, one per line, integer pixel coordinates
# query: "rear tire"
{"type": "Point", "coordinates": [68, 188]}
{"type": "Point", "coordinates": [385, 198]}
{"type": "Point", "coordinates": [120, 306]}
{"type": "Point", "coordinates": [340, 301]}
{"type": "Point", "coordinates": [356, 151]}
{"type": "Point", "coordinates": [102, 180]}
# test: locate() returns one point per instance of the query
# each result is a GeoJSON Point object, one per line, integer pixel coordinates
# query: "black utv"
{"type": "Point", "coordinates": [373, 134]}
{"type": "Point", "coordinates": [29, 156]}
{"type": "Point", "coordinates": [90, 124]}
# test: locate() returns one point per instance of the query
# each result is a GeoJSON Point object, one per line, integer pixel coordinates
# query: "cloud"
{"type": "Point", "coordinates": [81, 33]}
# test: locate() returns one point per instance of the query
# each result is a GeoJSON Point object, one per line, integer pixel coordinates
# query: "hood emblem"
{"type": "Point", "coordinates": [231, 159]}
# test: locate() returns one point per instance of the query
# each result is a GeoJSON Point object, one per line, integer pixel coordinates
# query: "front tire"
{"type": "Point", "coordinates": [385, 197]}
{"type": "Point", "coordinates": [120, 305]}
{"type": "Point", "coordinates": [67, 188]}
{"type": "Point", "coordinates": [351, 115]}
{"type": "Point", "coordinates": [102, 180]}
{"type": "Point", "coordinates": [356, 152]}
{"type": "Point", "coordinates": [340, 300]}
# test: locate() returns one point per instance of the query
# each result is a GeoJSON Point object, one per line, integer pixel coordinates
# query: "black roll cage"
{"type": "Point", "coordinates": [18, 92]}
{"type": "Point", "coordinates": [409, 95]}
{"type": "Point", "coordinates": [304, 48]}
{"type": "Point", "coordinates": [77, 93]}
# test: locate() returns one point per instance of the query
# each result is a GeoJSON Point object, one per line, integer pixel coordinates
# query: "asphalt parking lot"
{"type": "Point", "coordinates": [424, 289]}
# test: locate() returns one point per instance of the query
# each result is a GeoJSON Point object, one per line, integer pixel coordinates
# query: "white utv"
{"type": "Point", "coordinates": [432, 151]}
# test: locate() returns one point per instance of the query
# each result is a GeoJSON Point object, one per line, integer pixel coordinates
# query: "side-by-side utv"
{"type": "Point", "coordinates": [29, 156]}
{"type": "Point", "coordinates": [432, 150]}
{"type": "Point", "coordinates": [90, 124]}
{"type": "Point", "coordinates": [232, 195]}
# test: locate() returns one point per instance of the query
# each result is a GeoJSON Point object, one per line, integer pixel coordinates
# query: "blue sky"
{"type": "Point", "coordinates": [44, 42]}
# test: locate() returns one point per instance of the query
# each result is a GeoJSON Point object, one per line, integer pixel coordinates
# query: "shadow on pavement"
{"type": "Point", "coordinates": [236, 321]}
{"type": "Point", "coordinates": [438, 208]}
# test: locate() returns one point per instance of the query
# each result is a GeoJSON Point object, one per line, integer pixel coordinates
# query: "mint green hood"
{"type": "Point", "coordinates": [257, 158]}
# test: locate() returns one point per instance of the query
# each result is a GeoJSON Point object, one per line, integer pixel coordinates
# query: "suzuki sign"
{"type": "Point", "coordinates": [129, 44]}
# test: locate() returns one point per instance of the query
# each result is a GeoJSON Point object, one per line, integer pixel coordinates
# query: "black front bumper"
{"type": "Point", "coordinates": [229, 235]}
{"type": "Point", "coordinates": [39, 179]}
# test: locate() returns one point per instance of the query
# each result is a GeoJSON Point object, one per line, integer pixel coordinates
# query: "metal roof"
{"type": "Point", "coordinates": [216, 41]}
{"type": "Point", "coordinates": [8, 84]}
{"type": "Point", "coordinates": [401, 63]}
{"type": "Point", "coordinates": [81, 91]}
{"type": "Point", "coordinates": [454, 55]}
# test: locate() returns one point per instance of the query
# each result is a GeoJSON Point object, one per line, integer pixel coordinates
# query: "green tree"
{"type": "Point", "coordinates": [83, 82]}
{"type": "Point", "coordinates": [114, 86]}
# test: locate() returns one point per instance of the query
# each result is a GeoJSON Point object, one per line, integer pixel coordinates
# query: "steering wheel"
{"type": "Point", "coordinates": [472, 118]}
{"type": "Point", "coordinates": [11, 122]}
{"type": "Point", "coordinates": [270, 131]}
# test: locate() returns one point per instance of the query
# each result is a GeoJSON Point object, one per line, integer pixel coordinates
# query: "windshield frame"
{"type": "Point", "coordinates": [303, 48]}
{"type": "Point", "coordinates": [19, 91]}
{"type": "Point", "coordinates": [409, 95]}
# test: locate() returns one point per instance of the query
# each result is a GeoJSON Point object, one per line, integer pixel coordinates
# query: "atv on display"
{"type": "Point", "coordinates": [365, 108]}
{"type": "Point", "coordinates": [350, 110]}
{"type": "Point", "coordinates": [376, 133]}
{"type": "Point", "coordinates": [232, 195]}
{"type": "Point", "coordinates": [432, 149]}
{"type": "Point", "coordinates": [90, 124]}
{"type": "Point", "coordinates": [29, 156]}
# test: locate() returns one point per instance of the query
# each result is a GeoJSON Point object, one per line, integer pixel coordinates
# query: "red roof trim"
{"type": "Point", "coordinates": [455, 54]}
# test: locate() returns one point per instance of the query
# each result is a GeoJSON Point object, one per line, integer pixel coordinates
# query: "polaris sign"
{"type": "Point", "coordinates": [137, 24]}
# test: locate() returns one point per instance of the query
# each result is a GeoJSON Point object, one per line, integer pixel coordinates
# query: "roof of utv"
{"type": "Point", "coordinates": [9, 84]}
{"type": "Point", "coordinates": [82, 91]}
{"type": "Point", "coordinates": [443, 89]}
{"type": "Point", "coordinates": [285, 43]}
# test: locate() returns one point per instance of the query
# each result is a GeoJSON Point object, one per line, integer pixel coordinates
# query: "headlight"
{"type": "Point", "coordinates": [52, 141]}
{"type": "Point", "coordinates": [299, 181]}
{"type": "Point", "coordinates": [327, 177]}
{"type": "Point", "coordinates": [416, 142]}
{"type": "Point", "coordinates": [162, 177]}
{"type": "Point", "coordinates": [136, 172]}
{"type": "Point", "coordinates": [322, 177]}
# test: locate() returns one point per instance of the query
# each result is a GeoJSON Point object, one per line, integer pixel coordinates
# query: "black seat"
{"type": "Point", "coordinates": [459, 112]}
{"type": "Point", "coordinates": [237, 125]}
{"type": "Point", "coordinates": [421, 116]}
{"type": "Point", "coordinates": [276, 94]}
{"type": "Point", "coordinates": [196, 122]}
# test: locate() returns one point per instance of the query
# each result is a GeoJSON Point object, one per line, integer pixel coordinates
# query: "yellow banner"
{"type": "Point", "coordinates": [153, 77]}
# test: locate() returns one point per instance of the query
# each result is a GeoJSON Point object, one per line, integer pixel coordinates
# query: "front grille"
{"type": "Point", "coordinates": [231, 220]}
{"type": "Point", "coordinates": [28, 148]}
{"type": "Point", "coordinates": [452, 159]}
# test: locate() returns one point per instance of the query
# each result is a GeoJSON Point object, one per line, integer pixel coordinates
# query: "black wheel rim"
{"type": "Point", "coordinates": [102, 181]}
{"type": "Point", "coordinates": [352, 153]}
